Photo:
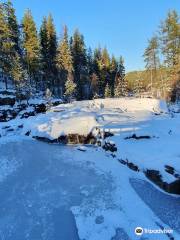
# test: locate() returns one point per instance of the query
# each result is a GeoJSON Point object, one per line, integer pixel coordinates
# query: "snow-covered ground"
{"type": "Point", "coordinates": [51, 191]}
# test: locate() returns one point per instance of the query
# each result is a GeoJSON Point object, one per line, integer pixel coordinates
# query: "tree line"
{"type": "Point", "coordinates": [38, 61]}
{"type": "Point", "coordinates": [162, 58]}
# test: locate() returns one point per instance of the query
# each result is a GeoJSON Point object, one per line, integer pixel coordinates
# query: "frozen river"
{"type": "Point", "coordinates": [40, 183]}
{"type": "Point", "coordinates": [37, 195]}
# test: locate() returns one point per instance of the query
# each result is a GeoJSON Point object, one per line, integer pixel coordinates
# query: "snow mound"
{"type": "Point", "coordinates": [133, 104]}
{"type": "Point", "coordinates": [125, 104]}
{"type": "Point", "coordinates": [83, 117]}
{"type": "Point", "coordinates": [54, 125]}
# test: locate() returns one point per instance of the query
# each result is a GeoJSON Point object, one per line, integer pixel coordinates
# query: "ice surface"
{"type": "Point", "coordinates": [59, 192]}
{"type": "Point", "coordinates": [64, 192]}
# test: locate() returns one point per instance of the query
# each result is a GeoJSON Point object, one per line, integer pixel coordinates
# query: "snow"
{"type": "Point", "coordinates": [54, 125]}
{"type": "Point", "coordinates": [81, 117]}
{"type": "Point", "coordinates": [60, 183]}
{"type": "Point", "coordinates": [6, 96]}
{"type": "Point", "coordinates": [124, 117]}
{"type": "Point", "coordinates": [84, 187]}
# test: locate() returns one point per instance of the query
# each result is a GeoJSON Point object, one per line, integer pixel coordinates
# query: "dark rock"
{"type": "Point", "coordinates": [122, 161]}
{"type": "Point", "coordinates": [21, 107]}
{"type": "Point", "coordinates": [137, 137]}
{"type": "Point", "coordinates": [43, 139]}
{"type": "Point", "coordinates": [28, 114]}
{"type": "Point", "coordinates": [7, 101]}
{"type": "Point", "coordinates": [154, 175]}
{"type": "Point", "coordinates": [40, 108]}
{"type": "Point", "coordinates": [169, 169]}
{"type": "Point", "coordinates": [174, 187]}
{"type": "Point", "coordinates": [7, 114]}
{"type": "Point", "coordinates": [27, 133]}
{"type": "Point", "coordinates": [176, 175]}
{"type": "Point", "coordinates": [109, 147]}
{"type": "Point", "coordinates": [70, 139]}
{"type": "Point", "coordinates": [56, 103]}
{"type": "Point", "coordinates": [10, 129]}
{"type": "Point", "coordinates": [133, 166]}
{"type": "Point", "coordinates": [108, 134]}
{"type": "Point", "coordinates": [99, 219]}
{"type": "Point", "coordinates": [62, 139]}
{"type": "Point", "coordinates": [81, 149]}
{"type": "Point", "coordinates": [130, 165]}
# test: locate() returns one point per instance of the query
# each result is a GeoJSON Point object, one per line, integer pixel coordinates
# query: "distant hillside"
{"type": "Point", "coordinates": [156, 83]}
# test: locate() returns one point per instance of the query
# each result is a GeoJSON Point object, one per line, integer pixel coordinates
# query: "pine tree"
{"type": "Point", "coordinates": [44, 52]}
{"type": "Point", "coordinates": [120, 81]}
{"type": "Point", "coordinates": [94, 85]}
{"type": "Point", "coordinates": [151, 59]}
{"type": "Point", "coordinates": [107, 91]}
{"type": "Point", "coordinates": [113, 71]}
{"type": "Point", "coordinates": [48, 43]}
{"type": "Point", "coordinates": [96, 81]}
{"type": "Point", "coordinates": [170, 41]}
{"type": "Point", "coordinates": [104, 70]}
{"type": "Point", "coordinates": [70, 87]}
{"type": "Point", "coordinates": [4, 46]}
{"type": "Point", "coordinates": [31, 47]}
{"type": "Point", "coordinates": [138, 88]}
{"type": "Point", "coordinates": [90, 61]}
{"type": "Point", "coordinates": [81, 76]}
{"type": "Point", "coordinates": [9, 38]}
{"type": "Point", "coordinates": [18, 74]}
{"type": "Point", "coordinates": [64, 60]}
{"type": "Point", "coordinates": [13, 26]}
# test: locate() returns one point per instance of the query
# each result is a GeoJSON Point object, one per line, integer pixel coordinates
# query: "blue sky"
{"type": "Point", "coordinates": [123, 26]}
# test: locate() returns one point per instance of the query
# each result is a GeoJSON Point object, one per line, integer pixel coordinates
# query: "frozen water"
{"type": "Point", "coordinates": [56, 192]}
{"type": "Point", "coordinates": [165, 206]}
{"type": "Point", "coordinates": [37, 197]}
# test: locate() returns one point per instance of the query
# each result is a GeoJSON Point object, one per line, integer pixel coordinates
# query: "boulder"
{"type": "Point", "coordinates": [174, 187]}
{"type": "Point", "coordinates": [7, 101]}
{"type": "Point", "coordinates": [134, 136]}
{"type": "Point", "coordinates": [40, 108]}
{"type": "Point", "coordinates": [69, 139]}
{"type": "Point", "coordinates": [108, 146]}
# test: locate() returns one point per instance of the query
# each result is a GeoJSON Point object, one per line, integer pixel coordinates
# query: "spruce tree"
{"type": "Point", "coordinates": [120, 81]}
{"type": "Point", "coordinates": [104, 70]}
{"type": "Point", "coordinates": [48, 42]}
{"type": "Point", "coordinates": [78, 51]}
{"type": "Point", "coordinates": [13, 26]}
{"type": "Point", "coordinates": [96, 81]}
{"type": "Point", "coordinates": [44, 52]}
{"type": "Point", "coordinates": [18, 74]}
{"type": "Point", "coordinates": [70, 87]}
{"type": "Point", "coordinates": [4, 46]}
{"type": "Point", "coordinates": [113, 71]}
{"type": "Point", "coordinates": [9, 38]}
{"type": "Point", "coordinates": [64, 60]}
{"type": "Point", "coordinates": [94, 85]}
{"type": "Point", "coordinates": [107, 91]}
{"type": "Point", "coordinates": [31, 47]}
{"type": "Point", "coordinates": [138, 88]}
{"type": "Point", "coordinates": [90, 61]}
